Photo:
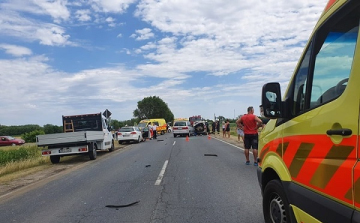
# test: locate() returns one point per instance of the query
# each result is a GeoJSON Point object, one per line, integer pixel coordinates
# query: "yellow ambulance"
{"type": "Point", "coordinates": [309, 156]}
{"type": "Point", "coordinates": [160, 122]}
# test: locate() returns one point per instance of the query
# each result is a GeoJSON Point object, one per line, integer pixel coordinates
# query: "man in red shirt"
{"type": "Point", "coordinates": [250, 123]}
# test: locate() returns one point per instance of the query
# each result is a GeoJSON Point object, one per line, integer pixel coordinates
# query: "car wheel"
{"type": "Point", "coordinates": [275, 203]}
{"type": "Point", "coordinates": [13, 144]}
{"type": "Point", "coordinates": [55, 159]}
{"type": "Point", "coordinates": [138, 141]}
{"type": "Point", "coordinates": [92, 151]}
{"type": "Point", "coordinates": [174, 135]}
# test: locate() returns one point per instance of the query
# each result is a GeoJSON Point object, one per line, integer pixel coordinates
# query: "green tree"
{"type": "Point", "coordinates": [31, 136]}
{"type": "Point", "coordinates": [49, 128]}
{"type": "Point", "coordinates": [153, 107]}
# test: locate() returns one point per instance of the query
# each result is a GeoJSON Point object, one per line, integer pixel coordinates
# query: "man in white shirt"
{"type": "Point", "coordinates": [154, 130]}
{"type": "Point", "coordinates": [150, 130]}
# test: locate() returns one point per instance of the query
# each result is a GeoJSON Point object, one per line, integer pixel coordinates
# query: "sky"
{"type": "Point", "coordinates": [208, 58]}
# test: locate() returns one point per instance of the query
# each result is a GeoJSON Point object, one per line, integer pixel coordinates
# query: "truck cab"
{"type": "Point", "coordinates": [309, 169]}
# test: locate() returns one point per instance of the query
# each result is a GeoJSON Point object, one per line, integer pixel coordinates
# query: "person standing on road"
{"type": "Point", "coordinates": [223, 129]}
{"type": "Point", "coordinates": [150, 130]}
{"type": "Point", "coordinates": [227, 128]}
{"type": "Point", "coordinates": [250, 123]}
{"type": "Point", "coordinates": [154, 130]}
{"type": "Point", "coordinates": [239, 130]}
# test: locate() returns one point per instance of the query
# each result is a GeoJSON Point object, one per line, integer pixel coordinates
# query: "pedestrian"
{"type": "Point", "coordinates": [154, 130]}
{"type": "Point", "coordinates": [213, 125]}
{"type": "Point", "coordinates": [223, 129]}
{"type": "Point", "coordinates": [227, 128]}
{"type": "Point", "coordinates": [218, 126]}
{"type": "Point", "coordinates": [239, 131]}
{"type": "Point", "coordinates": [150, 130]}
{"type": "Point", "coordinates": [250, 123]}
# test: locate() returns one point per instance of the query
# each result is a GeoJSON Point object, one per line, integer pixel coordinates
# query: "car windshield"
{"type": "Point", "coordinates": [127, 129]}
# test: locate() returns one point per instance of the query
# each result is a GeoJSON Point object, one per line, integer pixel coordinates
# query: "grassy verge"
{"type": "Point", "coordinates": [15, 159]}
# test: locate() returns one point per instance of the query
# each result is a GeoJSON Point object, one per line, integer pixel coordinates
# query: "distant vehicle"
{"type": "Point", "coordinates": [10, 141]}
{"type": "Point", "coordinates": [199, 124]}
{"type": "Point", "coordinates": [183, 128]}
{"type": "Point", "coordinates": [82, 134]}
{"type": "Point", "coordinates": [130, 134]}
{"type": "Point", "coordinates": [160, 122]}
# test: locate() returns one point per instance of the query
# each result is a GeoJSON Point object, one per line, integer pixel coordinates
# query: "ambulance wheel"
{"type": "Point", "coordinates": [275, 203]}
{"type": "Point", "coordinates": [55, 159]}
{"type": "Point", "coordinates": [92, 151]}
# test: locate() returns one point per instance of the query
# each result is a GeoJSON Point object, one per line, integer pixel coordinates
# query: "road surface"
{"type": "Point", "coordinates": [165, 180]}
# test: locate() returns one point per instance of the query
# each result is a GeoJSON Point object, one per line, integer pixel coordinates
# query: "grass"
{"type": "Point", "coordinates": [18, 158]}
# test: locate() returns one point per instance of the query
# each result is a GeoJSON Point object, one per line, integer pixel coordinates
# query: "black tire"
{"type": "Point", "coordinates": [275, 203]}
{"type": "Point", "coordinates": [112, 148]}
{"type": "Point", "coordinates": [174, 135]}
{"type": "Point", "coordinates": [55, 159]}
{"type": "Point", "coordinates": [92, 151]}
{"type": "Point", "coordinates": [138, 141]}
{"type": "Point", "coordinates": [162, 132]}
{"type": "Point", "coordinates": [120, 142]}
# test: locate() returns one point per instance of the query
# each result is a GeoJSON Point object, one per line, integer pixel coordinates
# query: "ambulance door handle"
{"type": "Point", "coordinates": [341, 132]}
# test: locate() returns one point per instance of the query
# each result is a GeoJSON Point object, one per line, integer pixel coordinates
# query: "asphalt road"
{"type": "Point", "coordinates": [164, 180]}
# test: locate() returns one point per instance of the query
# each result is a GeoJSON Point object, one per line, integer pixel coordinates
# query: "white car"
{"type": "Point", "coordinates": [129, 134]}
{"type": "Point", "coordinates": [183, 128]}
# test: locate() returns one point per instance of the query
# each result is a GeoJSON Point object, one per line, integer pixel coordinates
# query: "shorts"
{"type": "Point", "coordinates": [240, 132]}
{"type": "Point", "coordinates": [251, 141]}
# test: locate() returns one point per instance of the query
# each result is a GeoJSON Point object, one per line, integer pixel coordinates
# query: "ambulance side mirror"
{"type": "Point", "coordinates": [271, 100]}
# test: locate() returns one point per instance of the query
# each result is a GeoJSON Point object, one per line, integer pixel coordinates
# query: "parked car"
{"type": "Point", "coordinates": [10, 141]}
{"type": "Point", "coordinates": [183, 128]}
{"type": "Point", "coordinates": [129, 134]}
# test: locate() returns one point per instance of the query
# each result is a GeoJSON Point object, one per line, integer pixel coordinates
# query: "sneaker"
{"type": "Point", "coordinates": [247, 163]}
{"type": "Point", "coordinates": [255, 164]}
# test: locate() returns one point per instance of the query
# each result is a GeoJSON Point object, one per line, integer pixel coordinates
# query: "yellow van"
{"type": "Point", "coordinates": [160, 122]}
{"type": "Point", "coordinates": [309, 154]}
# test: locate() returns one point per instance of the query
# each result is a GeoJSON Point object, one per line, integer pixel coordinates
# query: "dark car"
{"type": "Point", "coordinates": [10, 141]}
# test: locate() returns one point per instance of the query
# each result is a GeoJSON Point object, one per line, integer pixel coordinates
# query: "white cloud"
{"type": "Point", "coordinates": [112, 6]}
{"type": "Point", "coordinates": [57, 9]}
{"type": "Point", "coordinates": [143, 34]}
{"type": "Point", "coordinates": [15, 50]}
{"type": "Point", "coordinates": [83, 15]}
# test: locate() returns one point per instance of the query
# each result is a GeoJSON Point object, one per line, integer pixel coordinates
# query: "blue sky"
{"type": "Point", "coordinates": [62, 57]}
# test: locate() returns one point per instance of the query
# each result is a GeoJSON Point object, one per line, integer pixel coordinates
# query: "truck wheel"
{"type": "Point", "coordinates": [92, 151]}
{"type": "Point", "coordinates": [275, 203]}
{"type": "Point", "coordinates": [55, 159]}
{"type": "Point", "coordinates": [112, 146]}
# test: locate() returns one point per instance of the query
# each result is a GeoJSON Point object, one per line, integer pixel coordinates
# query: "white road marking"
{"type": "Point", "coordinates": [232, 145]}
{"type": "Point", "coordinates": [174, 143]}
{"type": "Point", "coordinates": [161, 175]}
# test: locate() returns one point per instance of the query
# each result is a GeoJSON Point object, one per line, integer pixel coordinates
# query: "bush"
{"type": "Point", "coordinates": [31, 136]}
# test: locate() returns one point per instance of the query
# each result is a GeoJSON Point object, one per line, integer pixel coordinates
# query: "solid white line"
{"type": "Point", "coordinates": [161, 175]}
{"type": "Point", "coordinates": [232, 145]}
{"type": "Point", "coordinates": [174, 143]}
